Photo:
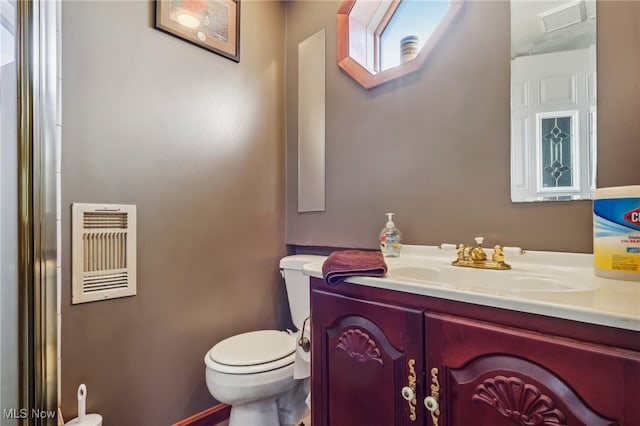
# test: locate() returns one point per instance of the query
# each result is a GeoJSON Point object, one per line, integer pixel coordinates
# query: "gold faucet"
{"type": "Point", "coordinates": [476, 257]}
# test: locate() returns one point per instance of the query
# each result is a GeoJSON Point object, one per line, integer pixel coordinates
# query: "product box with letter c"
{"type": "Point", "coordinates": [616, 232]}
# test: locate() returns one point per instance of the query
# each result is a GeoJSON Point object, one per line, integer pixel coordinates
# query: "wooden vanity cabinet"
{"type": "Point", "coordinates": [484, 366]}
{"type": "Point", "coordinates": [494, 375]}
{"type": "Point", "coordinates": [369, 352]}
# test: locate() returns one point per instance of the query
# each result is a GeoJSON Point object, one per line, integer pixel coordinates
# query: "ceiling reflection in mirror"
{"type": "Point", "coordinates": [553, 100]}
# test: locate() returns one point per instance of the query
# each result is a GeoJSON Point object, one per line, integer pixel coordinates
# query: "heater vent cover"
{"type": "Point", "coordinates": [563, 16]}
{"type": "Point", "coordinates": [103, 250]}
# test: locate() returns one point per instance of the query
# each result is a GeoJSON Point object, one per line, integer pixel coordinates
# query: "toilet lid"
{"type": "Point", "coordinates": [254, 348]}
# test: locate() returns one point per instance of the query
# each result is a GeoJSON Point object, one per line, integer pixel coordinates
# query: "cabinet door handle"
{"type": "Point", "coordinates": [409, 392]}
{"type": "Point", "coordinates": [431, 401]}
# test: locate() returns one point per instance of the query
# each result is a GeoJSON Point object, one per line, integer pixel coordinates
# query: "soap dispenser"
{"type": "Point", "coordinates": [390, 238]}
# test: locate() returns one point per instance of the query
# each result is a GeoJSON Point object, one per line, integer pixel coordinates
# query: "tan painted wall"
{"type": "Point", "coordinates": [434, 147]}
{"type": "Point", "coordinates": [196, 142]}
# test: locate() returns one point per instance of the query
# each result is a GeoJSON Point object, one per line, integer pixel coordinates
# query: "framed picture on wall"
{"type": "Point", "coordinates": [211, 24]}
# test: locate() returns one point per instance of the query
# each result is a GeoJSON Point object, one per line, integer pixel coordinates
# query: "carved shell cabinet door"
{"type": "Point", "coordinates": [372, 354]}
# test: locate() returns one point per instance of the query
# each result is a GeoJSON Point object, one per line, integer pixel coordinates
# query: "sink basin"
{"type": "Point", "coordinates": [416, 273]}
{"type": "Point", "coordinates": [482, 280]}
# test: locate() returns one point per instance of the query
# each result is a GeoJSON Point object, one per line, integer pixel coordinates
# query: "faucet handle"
{"type": "Point", "coordinates": [514, 250]}
{"type": "Point", "coordinates": [447, 246]}
{"type": "Point", "coordinates": [479, 240]}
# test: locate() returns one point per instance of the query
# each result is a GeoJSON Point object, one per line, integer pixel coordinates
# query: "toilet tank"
{"type": "Point", "coordinates": [298, 285]}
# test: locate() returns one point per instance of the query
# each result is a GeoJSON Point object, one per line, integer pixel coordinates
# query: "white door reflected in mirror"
{"type": "Point", "coordinates": [553, 100]}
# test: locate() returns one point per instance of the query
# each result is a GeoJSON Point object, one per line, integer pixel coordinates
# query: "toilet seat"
{"type": "Point", "coordinates": [253, 352]}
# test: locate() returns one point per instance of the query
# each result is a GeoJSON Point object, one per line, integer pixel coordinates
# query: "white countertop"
{"type": "Point", "coordinates": [586, 297]}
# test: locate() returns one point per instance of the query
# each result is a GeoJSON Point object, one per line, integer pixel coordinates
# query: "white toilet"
{"type": "Point", "coordinates": [254, 372]}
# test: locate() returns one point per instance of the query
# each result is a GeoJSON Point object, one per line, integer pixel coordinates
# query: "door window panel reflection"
{"type": "Point", "coordinates": [556, 152]}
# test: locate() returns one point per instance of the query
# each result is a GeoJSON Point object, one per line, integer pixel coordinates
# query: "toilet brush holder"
{"type": "Point", "coordinates": [83, 418]}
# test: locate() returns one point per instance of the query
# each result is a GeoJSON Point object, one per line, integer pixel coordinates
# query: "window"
{"type": "Point", "coordinates": [370, 34]}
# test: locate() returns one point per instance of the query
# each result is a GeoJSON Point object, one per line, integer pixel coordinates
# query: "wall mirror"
{"type": "Point", "coordinates": [311, 123]}
{"type": "Point", "coordinates": [553, 100]}
{"type": "Point", "coordinates": [380, 40]}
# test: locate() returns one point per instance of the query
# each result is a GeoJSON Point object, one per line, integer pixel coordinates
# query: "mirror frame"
{"type": "Point", "coordinates": [362, 75]}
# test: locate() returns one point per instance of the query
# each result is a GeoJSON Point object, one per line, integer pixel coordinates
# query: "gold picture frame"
{"type": "Point", "coordinates": [210, 24]}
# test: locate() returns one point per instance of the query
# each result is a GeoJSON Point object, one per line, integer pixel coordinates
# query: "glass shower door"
{"type": "Point", "coordinates": [9, 410]}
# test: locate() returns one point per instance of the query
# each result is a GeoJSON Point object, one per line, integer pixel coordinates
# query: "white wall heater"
{"type": "Point", "coordinates": [103, 250]}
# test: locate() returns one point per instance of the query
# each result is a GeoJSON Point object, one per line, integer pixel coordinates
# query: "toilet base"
{"type": "Point", "coordinates": [259, 413]}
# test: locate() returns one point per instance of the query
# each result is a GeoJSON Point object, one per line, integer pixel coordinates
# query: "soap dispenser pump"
{"type": "Point", "coordinates": [390, 238]}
